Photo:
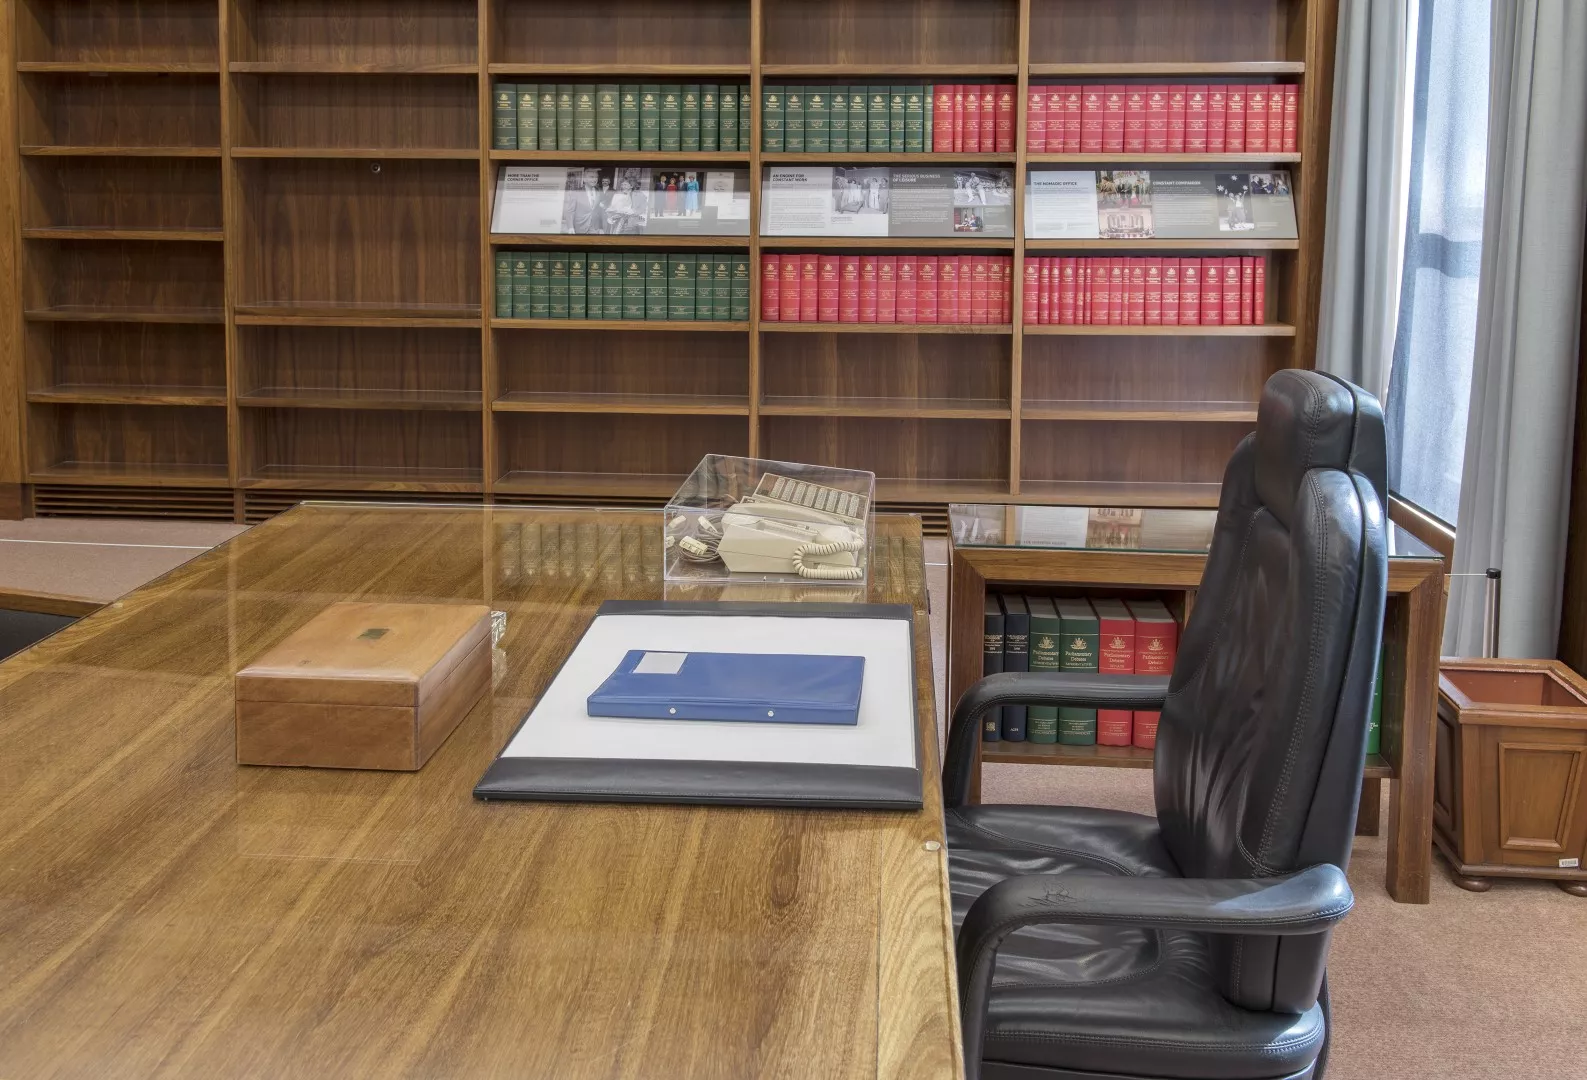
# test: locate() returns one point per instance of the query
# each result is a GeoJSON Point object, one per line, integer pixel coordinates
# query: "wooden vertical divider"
{"type": "Point", "coordinates": [756, 50]}
{"type": "Point", "coordinates": [488, 379]}
{"type": "Point", "coordinates": [1016, 286]}
{"type": "Point", "coordinates": [231, 212]}
{"type": "Point", "coordinates": [13, 381]}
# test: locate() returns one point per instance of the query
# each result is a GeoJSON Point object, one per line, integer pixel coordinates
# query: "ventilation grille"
{"type": "Point", "coordinates": [186, 504]}
{"type": "Point", "coordinates": [628, 502]}
{"type": "Point", "coordinates": [260, 505]}
{"type": "Point", "coordinates": [933, 516]}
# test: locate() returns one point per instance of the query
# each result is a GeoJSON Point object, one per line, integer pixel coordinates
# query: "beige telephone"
{"type": "Point", "coordinates": [795, 527]}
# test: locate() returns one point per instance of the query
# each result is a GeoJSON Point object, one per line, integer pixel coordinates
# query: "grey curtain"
{"type": "Point", "coordinates": [1515, 490]}
{"type": "Point", "coordinates": [1361, 250]}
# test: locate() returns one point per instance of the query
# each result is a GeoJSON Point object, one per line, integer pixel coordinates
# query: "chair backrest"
{"type": "Point", "coordinates": [1262, 739]}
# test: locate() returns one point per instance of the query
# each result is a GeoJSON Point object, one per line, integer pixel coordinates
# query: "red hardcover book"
{"type": "Point", "coordinates": [1231, 291]}
{"type": "Point", "coordinates": [1217, 118]}
{"type": "Point", "coordinates": [1256, 119]}
{"type": "Point", "coordinates": [1115, 656]}
{"type": "Point", "coordinates": [1093, 119]}
{"type": "Point", "coordinates": [1066, 292]}
{"type": "Point", "coordinates": [972, 119]}
{"type": "Point", "coordinates": [1154, 291]}
{"type": "Point", "coordinates": [790, 288]}
{"type": "Point", "coordinates": [988, 118]}
{"type": "Point", "coordinates": [1135, 304]}
{"type": "Point", "coordinates": [1097, 269]}
{"type": "Point", "coordinates": [1118, 291]}
{"type": "Point", "coordinates": [1005, 118]}
{"type": "Point", "coordinates": [828, 276]}
{"type": "Point", "coordinates": [849, 288]}
{"type": "Point", "coordinates": [1275, 119]}
{"type": "Point", "coordinates": [770, 288]}
{"type": "Point", "coordinates": [1157, 119]}
{"type": "Point", "coordinates": [998, 307]}
{"type": "Point", "coordinates": [1034, 290]}
{"type": "Point", "coordinates": [1247, 290]}
{"type": "Point", "coordinates": [887, 288]}
{"type": "Point", "coordinates": [966, 289]}
{"type": "Point", "coordinates": [926, 289]}
{"type": "Point", "coordinates": [1189, 291]}
{"type": "Point", "coordinates": [1234, 119]}
{"type": "Point", "coordinates": [1135, 109]}
{"type": "Point", "coordinates": [1259, 293]}
{"type": "Point", "coordinates": [942, 119]}
{"type": "Point", "coordinates": [1036, 120]}
{"type": "Point", "coordinates": [1055, 104]}
{"type": "Point", "coordinates": [1156, 637]}
{"type": "Point", "coordinates": [1291, 141]}
{"type": "Point", "coordinates": [1178, 104]}
{"type": "Point", "coordinates": [959, 118]}
{"type": "Point", "coordinates": [1074, 117]}
{"type": "Point", "coordinates": [1114, 727]}
{"type": "Point", "coordinates": [867, 288]}
{"type": "Point", "coordinates": [1144, 729]}
{"type": "Point", "coordinates": [1170, 292]}
{"type": "Point", "coordinates": [948, 289]}
{"type": "Point", "coordinates": [1047, 291]}
{"type": "Point", "coordinates": [809, 287]}
{"type": "Point", "coordinates": [1006, 285]}
{"type": "Point", "coordinates": [1195, 120]}
{"type": "Point", "coordinates": [908, 306]}
{"type": "Point", "coordinates": [1113, 120]}
{"type": "Point", "coordinates": [1211, 291]}
{"type": "Point", "coordinates": [979, 297]}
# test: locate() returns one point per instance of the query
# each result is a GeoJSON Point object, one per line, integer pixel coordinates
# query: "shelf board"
{"type": "Point", "coordinates": [332, 314]}
{"type": "Point", "coordinates": [1063, 330]}
{"type": "Point", "coordinates": [680, 70]}
{"type": "Point", "coordinates": [122, 151]}
{"type": "Point", "coordinates": [611, 485]}
{"type": "Point", "coordinates": [918, 70]}
{"type": "Point", "coordinates": [619, 324]}
{"type": "Point", "coordinates": [1187, 159]}
{"type": "Point", "coordinates": [135, 67]}
{"type": "Point", "coordinates": [419, 153]}
{"type": "Point", "coordinates": [910, 408]}
{"type": "Point", "coordinates": [1217, 244]}
{"type": "Point", "coordinates": [91, 394]}
{"type": "Point", "coordinates": [1216, 67]}
{"type": "Point", "coordinates": [1375, 767]}
{"type": "Point", "coordinates": [318, 397]}
{"type": "Point", "coordinates": [640, 157]}
{"type": "Point", "coordinates": [579, 241]}
{"type": "Point", "coordinates": [1116, 493]}
{"type": "Point", "coordinates": [356, 320]}
{"type": "Point", "coordinates": [1209, 412]}
{"type": "Point", "coordinates": [321, 67]}
{"type": "Point", "coordinates": [361, 478]}
{"type": "Point", "coordinates": [123, 474]}
{"type": "Point", "coordinates": [125, 314]}
{"type": "Point", "coordinates": [884, 328]}
{"type": "Point", "coordinates": [653, 404]}
{"type": "Point", "coordinates": [814, 243]}
{"type": "Point", "coordinates": [911, 490]}
{"type": "Point", "coordinates": [68, 232]}
{"type": "Point", "coordinates": [863, 158]}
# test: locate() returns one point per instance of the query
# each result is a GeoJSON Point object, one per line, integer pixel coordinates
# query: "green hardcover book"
{"type": "Point", "coordinates": [793, 122]}
{"type": "Point", "coordinates": [680, 288]}
{"type": "Point", "coordinates": [739, 309]}
{"type": "Point", "coordinates": [1078, 727]}
{"type": "Point", "coordinates": [504, 113]}
{"type": "Point", "coordinates": [612, 289]}
{"type": "Point", "coordinates": [915, 120]}
{"type": "Point", "coordinates": [838, 119]}
{"type": "Point", "coordinates": [539, 287]}
{"type": "Point", "coordinates": [656, 288]}
{"type": "Point", "coordinates": [628, 117]}
{"type": "Point", "coordinates": [635, 287]}
{"type": "Point", "coordinates": [547, 112]}
{"type": "Point", "coordinates": [727, 119]}
{"type": "Point", "coordinates": [818, 120]}
{"type": "Point", "coordinates": [671, 118]}
{"type": "Point", "coordinates": [746, 118]}
{"type": "Point", "coordinates": [584, 115]}
{"type": "Point", "coordinates": [704, 288]}
{"type": "Point", "coordinates": [608, 118]}
{"type": "Point", "coordinates": [522, 286]}
{"type": "Point", "coordinates": [929, 94]}
{"type": "Point", "coordinates": [650, 117]}
{"type": "Point", "coordinates": [528, 116]}
{"type": "Point", "coordinates": [897, 112]}
{"type": "Point", "coordinates": [565, 97]}
{"type": "Point", "coordinates": [503, 284]}
{"type": "Point", "coordinates": [710, 114]}
{"type": "Point", "coordinates": [1046, 654]}
{"type": "Point", "coordinates": [879, 109]}
{"type": "Point", "coordinates": [771, 120]}
{"type": "Point", "coordinates": [721, 288]}
{"type": "Point", "coordinates": [859, 118]}
{"type": "Point", "coordinates": [689, 118]}
{"type": "Point", "coordinates": [558, 287]}
{"type": "Point", "coordinates": [594, 285]}
{"type": "Point", "coordinates": [576, 285]}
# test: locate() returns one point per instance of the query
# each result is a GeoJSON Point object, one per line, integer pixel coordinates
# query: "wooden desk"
{"type": "Point", "coordinates": [1412, 633]}
{"type": "Point", "coordinates": [164, 911]}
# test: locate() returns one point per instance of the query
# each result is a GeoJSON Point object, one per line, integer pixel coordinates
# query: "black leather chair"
{"type": "Point", "coordinates": [1194, 945]}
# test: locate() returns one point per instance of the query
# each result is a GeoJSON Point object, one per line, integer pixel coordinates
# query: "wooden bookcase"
{"type": "Point", "coordinates": [253, 261]}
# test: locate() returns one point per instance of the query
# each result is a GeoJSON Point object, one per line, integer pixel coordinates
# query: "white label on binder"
{"type": "Point", "coordinates": [660, 663]}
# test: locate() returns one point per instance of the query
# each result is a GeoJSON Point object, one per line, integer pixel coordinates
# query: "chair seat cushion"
{"type": "Point", "coordinates": [1109, 1000]}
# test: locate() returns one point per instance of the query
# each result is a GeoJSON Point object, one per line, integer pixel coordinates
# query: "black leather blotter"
{"type": "Point", "coordinates": [559, 753]}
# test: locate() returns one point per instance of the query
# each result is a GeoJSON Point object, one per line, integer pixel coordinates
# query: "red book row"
{"type": "Point", "coordinates": [970, 119]}
{"type": "Point", "coordinates": [1143, 644]}
{"type": "Point", "coordinates": [1163, 119]}
{"type": "Point", "coordinates": [887, 288]}
{"type": "Point", "coordinates": [1111, 291]}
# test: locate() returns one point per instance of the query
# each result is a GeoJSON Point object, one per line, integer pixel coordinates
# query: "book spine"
{"type": "Point", "coordinates": [770, 288]}
{"type": "Point", "coordinates": [955, 121]}
{"type": "Point", "coordinates": [1047, 270]}
{"type": "Point", "coordinates": [1135, 119]}
{"type": "Point", "coordinates": [608, 117]}
{"type": "Point", "coordinates": [636, 293]}
{"type": "Point", "coordinates": [849, 288]}
{"type": "Point", "coordinates": [930, 108]}
{"type": "Point", "coordinates": [771, 119]}
{"type": "Point", "coordinates": [559, 287]}
{"type": "Point", "coordinates": [739, 309]}
{"type": "Point", "coordinates": [584, 118]}
{"type": "Point", "coordinates": [1118, 292]}
{"type": "Point", "coordinates": [791, 265]}
{"type": "Point", "coordinates": [1195, 99]}
{"type": "Point", "coordinates": [897, 116]}
{"type": "Point", "coordinates": [1189, 292]}
{"type": "Point", "coordinates": [1083, 288]}
{"type": "Point", "coordinates": [1036, 119]}
{"type": "Point", "coordinates": [1005, 118]}
{"type": "Point", "coordinates": [565, 122]}
{"type": "Point", "coordinates": [880, 100]}
{"type": "Point", "coordinates": [926, 289]}
{"type": "Point", "coordinates": [1217, 118]}
{"type": "Point", "coordinates": [671, 117]}
{"type": "Point", "coordinates": [1231, 291]}
{"type": "Point", "coordinates": [837, 119]}
{"type": "Point", "coordinates": [1259, 292]}
{"type": "Point", "coordinates": [1234, 119]}
{"type": "Point", "coordinates": [704, 288]}
{"type": "Point", "coordinates": [710, 118]}
{"type": "Point", "coordinates": [1016, 657]}
{"type": "Point", "coordinates": [522, 287]}
{"type": "Point", "coordinates": [967, 289]}
{"type": "Point", "coordinates": [1144, 729]}
{"type": "Point", "coordinates": [908, 289]}
{"type": "Point", "coordinates": [829, 288]}
{"type": "Point", "coordinates": [809, 287]}
{"type": "Point", "coordinates": [1113, 120]}
{"type": "Point", "coordinates": [992, 662]}
{"type": "Point", "coordinates": [985, 297]}
{"type": "Point", "coordinates": [1031, 295]}
{"type": "Point", "coordinates": [1157, 119]}
{"type": "Point", "coordinates": [1247, 290]}
{"type": "Point", "coordinates": [793, 119]}
{"type": "Point", "coordinates": [887, 289]}
{"type": "Point", "coordinates": [1073, 112]}
{"type": "Point", "coordinates": [1171, 292]}
{"type": "Point", "coordinates": [942, 118]}
{"type": "Point", "coordinates": [818, 120]}
{"type": "Point", "coordinates": [527, 107]}
{"type": "Point", "coordinates": [649, 117]}
{"type": "Point", "coordinates": [594, 285]}
{"type": "Point", "coordinates": [546, 114]}
{"type": "Point", "coordinates": [915, 119]}
{"type": "Point", "coordinates": [727, 118]}
{"type": "Point", "coordinates": [628, 117]}
{"type": "Point", "coordinates": [1045, 654]}
{"type": "Point", "coordinates": [1136, 304]}
{"type": "Point", "coordinates": [1114, 727]}
{"type": "Point", "coordinates": [613, 286]}
{"type": "Point", "coordinates": [1256, 119]}
{"type": "Point", "coordinates": [1154, 291]}
{"type": "Point", "coordinates": [1211, 291]}
{"type": "Point", "coordinates": [971, 142]}
{"type": "Point", "coordinates": [1178, 118]}
{"type": "Point", "coordinates": [859, 119]}
{"type": "Point", "coordinates": [868, 288]}
{"type": "Point", "coordinates": [1076, 726]}
{"type": "Point", "coordinates": [577, 286]}
{"type": "Point", "coordinates": [721, 290]}
{"type": "Point", "coordinates": [504, 117]}
{"type": "Point", "coordinates": [1291, 140]}
{"type": "Point", "coordinates": [948, 289]}
{"type": "Point", "coordinates": [1098, 267]}
{"type": "Point", "coordinates": [656, 288]}
{"type": "Point", "coordinates": [746, 118]}
{"type": "Point", "coordinates": [689, 118]}
{"type": "Point", "coordinates": [681, 277]}
{"type": "Point", "coordinates": [503, 284]}
{"type": "Point", "coordinates": [1067, 292]}
{"type": "Point", "coordinates": [539, 287]}
{"type": "Point", "coordinates": [1275, 119]}
{"type": "Point", "coordinates": [1093, 119]}
{"type": "Point", "coordinates": [988, 118]}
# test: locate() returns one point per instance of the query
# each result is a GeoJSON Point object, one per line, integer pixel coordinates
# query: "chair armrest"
{"type": "Point", "coordinates": [1308, 902]}
{"type": "Point", "coordinates": [1075, 689]}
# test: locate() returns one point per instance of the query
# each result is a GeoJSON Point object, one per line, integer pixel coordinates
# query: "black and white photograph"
{"type": "Point", "coordinates": [860, 191]}
{"type": "Point", "coordinates": [982, 187]}
{"type": "Point", "coordinates": [1234, 201]}
{"type": "Point", "coordinates": [1124, 204]}
{"type": "Point", "coordinates": [600, 200]}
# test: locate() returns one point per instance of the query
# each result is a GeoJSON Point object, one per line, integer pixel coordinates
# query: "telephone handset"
{"type": "Point", "coordinates": [795, 527]}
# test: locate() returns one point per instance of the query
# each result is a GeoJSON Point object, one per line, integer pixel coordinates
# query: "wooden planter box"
{"type": "Point", "coordinates": [1511, 758]}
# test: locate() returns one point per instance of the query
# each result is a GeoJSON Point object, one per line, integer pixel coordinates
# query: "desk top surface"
{"type": "Point", "coordinates": [167, 912]}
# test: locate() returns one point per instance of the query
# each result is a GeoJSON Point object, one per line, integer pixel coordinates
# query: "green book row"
{"type": "Point", "coordinates": [845, 119]}
{"type": "Point", "coordinates": [628, 286]}
{"type": "Point", "coordinates": [628, 117]}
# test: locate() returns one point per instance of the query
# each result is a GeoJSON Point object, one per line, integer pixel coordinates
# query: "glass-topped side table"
{"type": "Point", "coordinates": [1102, 551]}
